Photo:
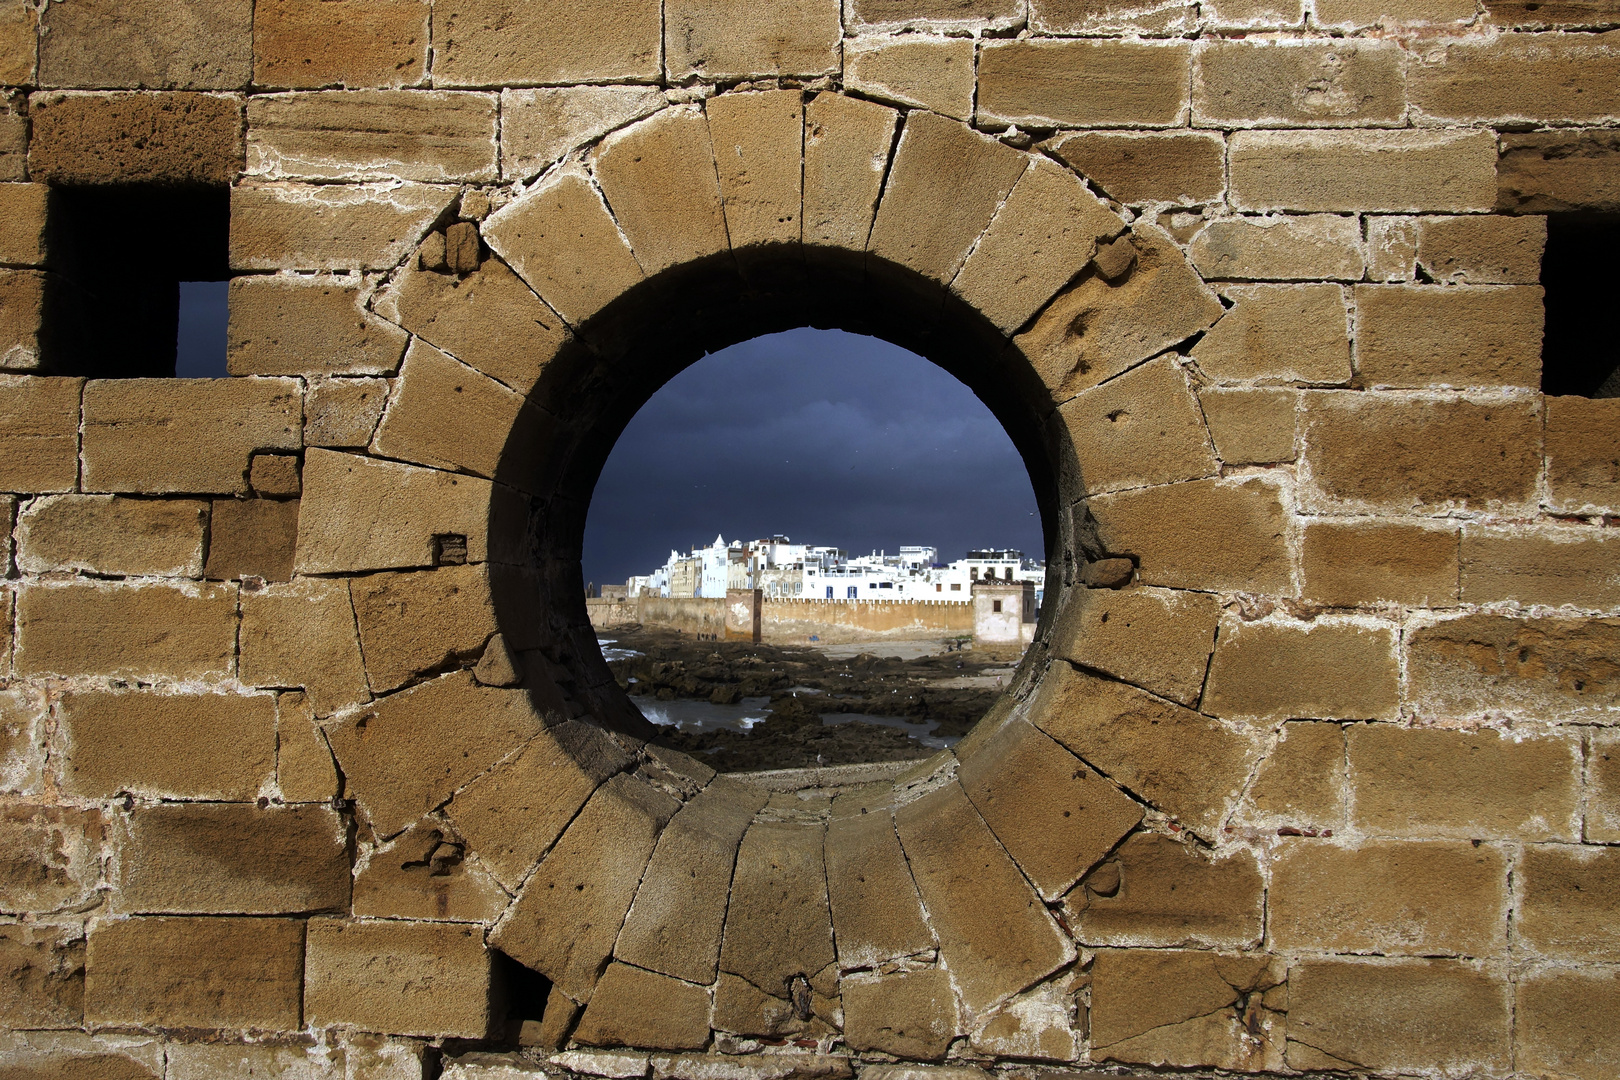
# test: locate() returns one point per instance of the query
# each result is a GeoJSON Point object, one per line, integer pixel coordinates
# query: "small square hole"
{"type": "Point", "coordinates": [1579, 354]}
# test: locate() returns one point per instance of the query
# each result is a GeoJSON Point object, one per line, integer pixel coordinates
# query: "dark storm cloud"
{"type": "Point", "coordinates": [828, 437]}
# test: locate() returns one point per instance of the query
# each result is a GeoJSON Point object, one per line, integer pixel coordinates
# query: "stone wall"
{"type": "Point", "coordinates": [308, 755]}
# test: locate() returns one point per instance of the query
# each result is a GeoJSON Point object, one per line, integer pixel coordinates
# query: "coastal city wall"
{"type": "Point", "coordinates": [794, 622]}
{"type": "Point", "coordinates": [310, 766]}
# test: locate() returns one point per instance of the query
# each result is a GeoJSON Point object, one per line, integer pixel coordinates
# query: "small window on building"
{"type": "Point", "coordinates": [1582, 278]}
{"type": "Point", "coordinates": [829, 592]}
{"type": "Point", "coordinates": [938, 587]}
{"type": "Point", "coordinates": [852, 592]}
{"type": "Point", "coordinates": [956, 586]}
{"type": "Point", "coordinates": [995, 605]}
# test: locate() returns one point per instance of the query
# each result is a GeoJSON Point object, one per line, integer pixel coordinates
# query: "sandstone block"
{"type": "Point", "coordinates": [14, 139]}
{"type": "Point", "coordinates": [1342, 83]}
{"type": "Point", "coordinates": [1392, 247]}
{"type": "Point", "coordinates": [963, 876]}
{"type": "Point", "coordinates": [1300, 248]}
{"type": "Point", "coordinates": [197, 746]}
{"type": "Point", "coordinates": [19, 44]}
{"type": "Point", "coordinates": [1080, 83]}
{"type": "Point", "coordinates": [252, 538]}
{"type": "Point", "coordinates": [1551, 566]}
{"type": "Point", "coordinates": [47, 1055]}
{"type": "Point", "coordinates": [1603, 787]}
{"type": "Point", "coordinates": [560, 238]}
{"type": "Point", "coordinates": [1414, 336]}
{"type": "Point", "coordinates": [846, 152]}
{"type": "Point", "coordinates": [973, 13]}
{"type": "Point", "coordinates": [877, 915]}
{"type": "Point", "coordinates": [305, 771]}
{"type": "Point", "coordinates": [51, 858]}
{"type": "Point", "coordinates": [1190, 766]}
{"type": "Point", "coordinates": [1568, 906]}
{"type": "Point", "coordinates": [428, 135]}
{"type": "Point", "coordinates": [147, 43]}
{"type": "Point", "coordinates": [275, 476]}
{"type": "Point", "coordinates": [1141, 429]}
{"type": "Point", "coordinates": [1055, 816]}
{"type": "Point", "coordinates": [1158, 893]}
{"type": "Point", "coordinates": [165, 631]}
{"type": "Point", "coordinates": [758, 150]}
{"type": "Point", "coordinates": [1482, 249]}
{"type": "Point", "coordinates": [1349, 13]}
{"type": "Point", "coordinates": [22, 224]}
{"type": "Point", "coordinates": [1209, 535]}
{"type": "Point", "coordinates": [1280, 670]}
{"type": "Point", "coordinates": [1542, 77]}
{"type": "Point", "coordinates": [1041, 237]}
{"type": "Point", "coordinates": [308, 44]}
{"type": "Point", "coordinates": [399, 978]}
{"type": "Point", "coordinates": [539, 126]}
{"type": "Point", "coordinates": [514, 813]}
{"type": "Point", "coordinates": [659, 177]}
{"type": "Point", "coordinates": [1301, 782]}
{"type": "Point", "coordinates": [1352, 563]}
{"type": "Point", "coordinates": [361, 514]}
{"type": "Point", "coordinates": [910, 1014]}
{"type": "Point", "coordinates": [343, 412]}
{"type": "Point", "coordinates": [303, 634]}
{"type": "Point", "coordinates": [619, 1015]}
{"type": "Point", "coordinates": [425, 874]}
{"type": "Point", "coordinates": [1158, 639]}
{"type": "Point", "coordinates": [124, 138]}
{"type": "Point", "coordinates": [1141, 167]}
{"type": "Point", "coordinates": [185, 435]}
{"type": "Point", "coordinates": [206, 1061]}
{"type": "Point", "coordinates": [234, 859]}
{"type": "Point", "coordinates": [564, 922]}
{"type": "Point", "coordinates": [718, 39]}
{"type": "Point", "coordinates": [1150, 18]}
{"type": "Point", "coordinates": [39, 433]}
{"type": "Point", "coordinates": [502, 42]}
{"type": "Point", "coordinates": [306, 326]}
{"type": "Point", "coordinates": [741, 1008]}
{"type": "Point", "coordinates": [1559, 170]}
{"type": "Point", "coordinates": [1418, 454]}
{"type": "Point", "coordinates": [423, 621]}
{"type": "Point", "coordinates": [1042, 1024]}
{"type": "Point", "coordinates": [1401, 1015]}
{"type": "Point", "coordinates": [675, 924]}
{"type": "Point", "coordinates": [1545, 668]}
{"type": "Point", "coordinates": [44, 983]}
{"type": "Point", "coordinates": [1390, 897]}
{"type": "Point", "coordinates": [1184, 1008]}
{"type": "Point", "coordinates": [24, 334]}
{"type": "Point", "coordinates": [934, 73]}
{"type": "Point", "coordinates": [287, 226]}
{"type": "Point", "coordinates": [918, 224]}
{"type": "Point", "coordinates": [408, 753]}
{"type": "Point", "coordinates": [199, 973]}
{"type": "Point", "coordinates": [1436, 783]}
{"type": "Point", "coordinates": [1279, 333]}
{"type": "Point", "coordinates": [1098, 328]}
{"type": "Point", "coordinates": [1564, 1021]}
{"type": "Point", "coordinates": [779, 924]}
{"type": "Point", "coordinates": [1252, 426]}
{"type": "Point", "coordinates": [105, 534]}
{"type": "Point", "coordinates": [1362, 170]}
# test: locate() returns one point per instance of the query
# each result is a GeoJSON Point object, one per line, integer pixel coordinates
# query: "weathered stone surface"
{"type": "Point", "coordinates": [1559, 170]}
{"type": "Point", "coordinates": [1603, 787]}
{"type": "Point", "coordinates": [758, 150]}
{"type": "Point", "coordinates": [935, 12]}
{"type": "Point", "coordinates": [408, 753]}
{"type": "Point", "coordinates": [44, 976]}
{"type": "Point", "coordinates": [675, 924]}
{"type": "Point", "coordinates": [307, 44]}
{"type": "Point", "coordinates": [1401, 1015]}
{"type": "Point", "coordinates": [1362, 170]}
{"type": "Point", "coordinates": [1251, 426]}
{"type": "Point", "coordinates": [147, 43]}
{"type": "Point", "coordinates": [1567, 910]}
{"type": "Point", "coordinates": [1153, 18]}
{"type": "Point", "coordinates": [910, 1014]}
{"type": "Point", "coordinates": [1482, 249]}
{"type": "Point", "coordinates": [429, 135]}
{"type": "Point", "coordinates": [287, 226]}
{"type": "Point", "coordinates": [1292, 83]}
{"type": "Point", "coordinates": [343, 412]}
{"type": "Point", "coordinates": [1348, 13]}
{"type": "Point", "coordinates": [1392, 247]}
{"type": "Point", "coordinates": [717, 39]}
{"type": "Point", "coordinates": [303, 634]}
{"type": "Point", "coordinates": [425, 874]}
{"type": "Point", "coordinates": [741, 1008]}
{"type": "Point", "coordinates": [846, 152]}
{"type": "Point", "coordinates": [963, 875]}
{"type": "Point", "coordinates": [1184, 1008]}
{"type": "Point", "coordinates": [206, 1061]}
{"type": "Point", "coordinates": [1082, 83]}
{"type": "Point", "coordinates": [1418, 454]}
{"type": "Point", "coordinates": [619, 1013]}
{"type": "Point", "coordinates": [105, 534]}
{"type": "Point", "coordinates": [1354, 562]}
{"type": "Point", "coordinates": [14, 139]}
{"type": "Point", "coordinates": [39, 433]}
{"type": "Point", "coordinates": [942, 190]}
{"type": "Point", "coordinates": [1564, 1020]}
{"type": "Point", "coordinates": [125, 138]}
{"type": "Point", "coordinates": [876, 913]}
{"type": "Point", "coordinates": [659, 177]}
{"type": "Point", "coordinates": [514, 813]}
{"type": "Point", "coordinates": [779, 925]}
{"type": "Point", "coordinates": [398, 977]}
{"type": "Point", "coordinates": [786, 1066]}
{"type": "Point", "coordinates": [419, 622]}
{"type": "Point", "coordinates": [1212, 535]}
{"type": "Point", "coordinates": [933, 73]}
{"type": "Point", "coordinates": [252, 538]}
{"type": "Point", "coordinates": [1159, 893]}
{"type": "Point", "coordinates": [168, 631]}
{"type": "Point", "coordinates": [1279, 333]}
{"type": "Point", "coordinates": [1158, 639]}
{"type": "Point", "coordinates": [22, 224]}
{"type": "Point", "coordinates": [1390, 897]}
{"type": "Point", "coordinates": [51, 1055]}
{"type": "Point", "coordinates": [1543, 668]}
{"type": "Point", "coordinates": [305, 771]}
{"type": "Point", "coordinates": [198, 973]}
{"type": "Point", "coordinates": [1139, 167]}
{"type": "Point", "coordinates": [539, 126]}
{"type": "Point", "coordinates": [1192, 766]}
{"type": "Point", "coordinates": [499, 42]}
{"type": "Point", "coordinates": [1098, 328]}
{"type": "Point", "coordinates": [19, 44]}
{"type": "Point", "coordinates": [50, 858]}
{"type": "Point", "coordinates": [234, 859]}
{"type": "Point", "coordinates": [1299, 248]}
{"type": "Point", "coordinates": [275, 476]}
{"type": "Point", "coordinates": [307, 326]}
{"type": "Point", "coordinates": [1276, 670]}
{"type": "Point", "coordinates": [159, 436]}
{"type": "Point", "coordinates": [23, 330]}
{"type": "Point", "coordinates": [1542, 77]}
{"type": "Point", "coordinates": [1054, 815]}
{"type": "Point", "coordinates": [1301, 783]}
{"type": "Point", "coordinates": [1410, 336]}
{"type": "Point", "coordinates": [566, 919]}
{"type": "Point", "coordinates": [1436, 783]}
{"type": "Point", "coordinates": [1141, 429]}
{"type": "Point", "coordinates": [199, 746]}
{"type": "Point", "coordinates": [1043, 1024]}
{"type": "Point", "coordinates": [1583, 454]}
{"type": "Point", "coordinates": [1551, 565]}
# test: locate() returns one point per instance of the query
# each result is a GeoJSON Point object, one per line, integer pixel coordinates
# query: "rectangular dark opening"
{"type": "Point", "coordinates": [1580, 351]}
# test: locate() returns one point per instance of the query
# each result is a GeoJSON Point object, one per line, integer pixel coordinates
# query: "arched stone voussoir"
{"type": "Point", "coordinates": [1141, 429]}
{"type": "Point", "coordinates": [658, 176]}
{"type": "Point", "coordinates": [1155, 638]}
{"type": "Point", "coordinates": [877, 914]}
{"type": "Point", "coordinates": [847, 142]}
{"type": "Point", "coordinates": [758, 141]}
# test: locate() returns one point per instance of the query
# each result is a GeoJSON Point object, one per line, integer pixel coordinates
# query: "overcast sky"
{"type": "Point", "coordinates": [828, 437]}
